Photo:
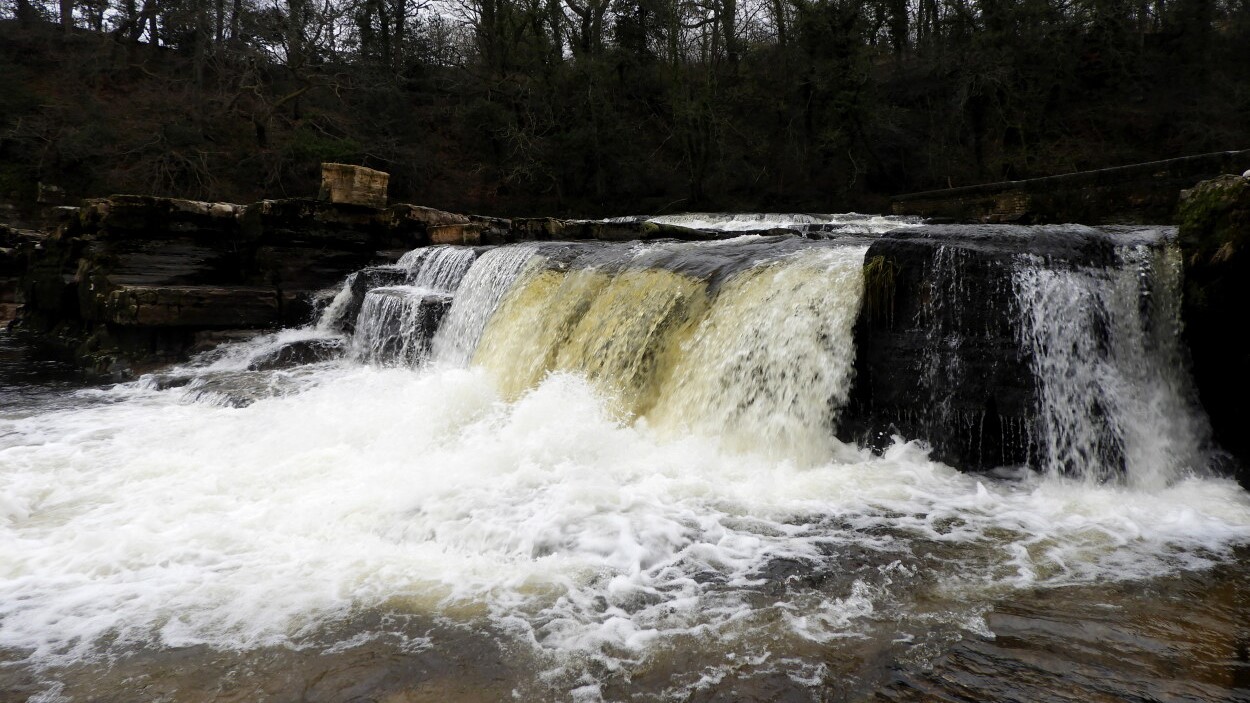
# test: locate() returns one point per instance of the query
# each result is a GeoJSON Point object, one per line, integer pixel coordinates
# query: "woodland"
{"type": "Point", "coordinates": [604, 107]}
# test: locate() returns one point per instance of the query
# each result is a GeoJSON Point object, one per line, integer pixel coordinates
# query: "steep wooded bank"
{"type": "Point", "coordinates": [502, 106]}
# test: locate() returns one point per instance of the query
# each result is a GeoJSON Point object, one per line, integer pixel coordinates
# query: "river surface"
{"type": "Point", "coordinates": [600, 481]}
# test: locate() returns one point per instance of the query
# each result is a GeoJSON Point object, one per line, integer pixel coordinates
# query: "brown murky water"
{"type": "Point", "coordinates": [1184, 637]}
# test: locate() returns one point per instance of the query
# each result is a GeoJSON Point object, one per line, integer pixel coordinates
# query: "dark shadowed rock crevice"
{"type": "Point", "coordinates": [1214, 221]}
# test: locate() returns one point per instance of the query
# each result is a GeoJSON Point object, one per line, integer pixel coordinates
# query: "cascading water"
{"type": "Point", "coordinates": [396, 323]}
{"type": "Point", "coordinates": [439, 268]}
{"type": "Point", "coordinates": [620, 480]}
{"type": "Point", "coordinates": [1114, 395]}
{"type": "Point", "coordinates": [332, 315]}
{"type": "Point", "coordinates": [944, 321]}
{"type": "Point", "coordinates": [745, 372]}
{"type": "Point", "coordinates": [482, 288]}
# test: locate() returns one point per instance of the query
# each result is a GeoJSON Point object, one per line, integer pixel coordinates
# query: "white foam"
{"type": "Point", "coordinates": [849, 223]}
{"type": "Point", "coordinates": [149, 521]}
{"type": "Point", "coordinates": [1115, 394]}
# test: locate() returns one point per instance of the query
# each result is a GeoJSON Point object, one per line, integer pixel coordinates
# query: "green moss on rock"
{"type": "Point", "coordinates": [1214, 219]}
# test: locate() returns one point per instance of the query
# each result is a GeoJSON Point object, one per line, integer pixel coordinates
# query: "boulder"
{"type": "Point", "coordinates": [298, 353]}
{"type": "Point", "coordinates": [48, 194]}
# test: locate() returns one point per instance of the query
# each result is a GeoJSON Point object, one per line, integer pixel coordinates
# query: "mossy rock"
{"type": "Point", "coordinates": [1214, 220]}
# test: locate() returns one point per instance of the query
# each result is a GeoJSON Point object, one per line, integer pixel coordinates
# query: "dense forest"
{"type": "Point", "coordinates": [609, 106]}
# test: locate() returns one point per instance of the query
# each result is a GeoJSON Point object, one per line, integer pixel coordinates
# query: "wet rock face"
{"type": "Point", "coordinates": [1214, 221]}
{"type": "Point", "coordinates": [299, 353]}
{"type": "Point", "coordinates": [15, 247]}
{"type": "Point", "coordinates": [362, 282]}
{"type": "Point", "coordinates": [133, 278]}
{"type": "Point", "coordinates": [939, 355]}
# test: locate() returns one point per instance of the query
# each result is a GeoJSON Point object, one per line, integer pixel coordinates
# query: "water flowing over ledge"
{"type": "Point", "coordinates": [645, 461]}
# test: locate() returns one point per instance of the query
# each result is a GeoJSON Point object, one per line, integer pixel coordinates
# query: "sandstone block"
{"type": "Point", "coordinates": [470, 234]}
{"type": "Point", "coordinates": [353, 185]}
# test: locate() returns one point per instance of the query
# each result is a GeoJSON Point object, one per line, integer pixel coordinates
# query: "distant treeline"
{"type": "Point", "coordinates": [609, 106]}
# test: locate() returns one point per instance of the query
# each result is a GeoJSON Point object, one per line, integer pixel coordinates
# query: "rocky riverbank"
{"type": "Point", "coordinates": [129, 281]}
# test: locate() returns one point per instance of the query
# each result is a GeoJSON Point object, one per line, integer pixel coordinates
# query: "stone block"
{"type": "Point", "coordinates": [470, 234]}
{"type": "Point", "coordinates": [345, 184]}
{"type": "Point", "coordinates": [537, 228]}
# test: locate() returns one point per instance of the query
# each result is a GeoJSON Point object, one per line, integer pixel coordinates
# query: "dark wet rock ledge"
{"type": "Point", "coordinates": [127, 282]}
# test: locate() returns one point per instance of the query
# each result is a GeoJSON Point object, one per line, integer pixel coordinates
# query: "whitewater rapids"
{"type": "Point", "coordinates": [593, 539]}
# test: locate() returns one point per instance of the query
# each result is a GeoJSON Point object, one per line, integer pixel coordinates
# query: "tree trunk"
{"type": "Point", "coordinates": [219, 33]}
{"type": "Point", "coordinates": [236, 16]}
{"type": "Point", "coordinates": [780, 20]}
{"type": "Point", "coordinates": [384, 34]}
{"type": "Point", "coordinates": [201, 55]}
{"type": "Point", "coordinates": [25, 13]}
{"type": "Point", "coordinates": [898, 25]}
{"type": "Point", "coordinates": [399, 31]}
{"type": "Point", "coordinates": [67, 15]}
{"type": "Point", "coordinates": [729, 28]}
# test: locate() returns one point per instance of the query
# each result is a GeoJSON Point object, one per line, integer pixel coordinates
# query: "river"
{"type": "Point", "coordinates": [608, 472]}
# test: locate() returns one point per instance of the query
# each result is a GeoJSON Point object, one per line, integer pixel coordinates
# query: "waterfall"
{"type": "Point", "coordinates": [381, 302]}
{"type": "Point", "coordinates": [437, 268]}
{"type": "Point", "coordinates": [751, 340]}
{"type": "Point", "coordinates": [647, 484]}
{"type": "Point", "coordinates": [477, 297]}
{"type": "Point", "coordinates": [770, 366]}
{"type": "Point", "coordinates": [397, 323]}
{"type": "Point", "coordinates": [1114, 395]}
{"type": "Point", "coordinates": [332, 316]}
{"type": "Point", "coordinates": [703, 338]}
{"type": "Point", "coordinates": [616, 328]}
